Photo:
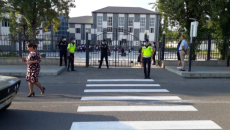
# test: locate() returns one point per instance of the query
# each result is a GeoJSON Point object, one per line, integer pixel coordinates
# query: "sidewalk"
{"type": "Point", "coordinates": [20, 70]}
{"type": "Point", "coordinates": [201, 72]}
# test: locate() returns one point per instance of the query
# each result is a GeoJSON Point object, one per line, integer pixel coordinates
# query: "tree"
{"type": "Point", "coordinates": [37, 11]}
{"type": "Point", "coordinates": [179, 11]}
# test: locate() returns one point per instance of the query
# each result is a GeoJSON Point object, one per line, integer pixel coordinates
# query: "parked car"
{"type": "Point", "coordinates": [9, 87]}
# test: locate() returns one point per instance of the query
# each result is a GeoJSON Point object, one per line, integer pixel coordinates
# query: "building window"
{"type": "Point", "coordinates": [5, 24]}
{"type": "Point", "coordinates": [131, 20]}
{"type": "Point", "coordinates": [142, 22]}
{"type": "Point", "coordinates": [130, 29]}
{"type": "Point", "coordinates": [142, 30]}
{"type": "Point", "coordinates": [110, 21]}
{"type": "Point", "coordinates": [78, 30]}
{"type": "Point", "coordinates": [99, 29]}
{"type": "Point", "coordinates": [99, 21]}
{"type": "Point", "coordinates": [89, 30]}
{"type": "Point", "coordinates": [121, 29]}
{"type": "Point", "coordinates": [78, 41]}
{"type": "Point", "coordinates": [121, 21]}
{"type": "Point", "coordinates": [109, 29]}
{"type": "Point", "coordinates": [151, 30]}
{"type": "Point", "coordinates": [152, 22]}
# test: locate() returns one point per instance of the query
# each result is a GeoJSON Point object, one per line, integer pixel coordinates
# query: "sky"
{"type": "Point", "coordinates": [86, 7]}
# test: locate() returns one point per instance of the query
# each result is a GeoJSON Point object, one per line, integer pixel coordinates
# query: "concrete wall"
{"type": "Point", "coordinates": [17, 61]}
{"type": "Point", "coordinates": [218, 63]}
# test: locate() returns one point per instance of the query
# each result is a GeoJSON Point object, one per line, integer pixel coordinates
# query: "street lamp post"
{"type": "Point", "coordinates": [163, 45]}
{"type": "Point", "coordinates": [87, 49]}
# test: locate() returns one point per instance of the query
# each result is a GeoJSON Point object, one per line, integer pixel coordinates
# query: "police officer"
{"type": "Point", "coordinates": [146, 58]}
{"type": "Point", "coordinates": [104, 49]}
{"type": "Point", "coordinates": [71, 50]}
{"type": "Point", "coordinates": [62, 45]}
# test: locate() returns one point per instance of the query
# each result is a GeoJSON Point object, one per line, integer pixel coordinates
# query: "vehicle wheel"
{"type": "Point", "coordinates": [4, 108]}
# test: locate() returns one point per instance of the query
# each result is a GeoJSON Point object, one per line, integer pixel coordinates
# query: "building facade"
{"type": "Point", "coordinates": [134, 21]}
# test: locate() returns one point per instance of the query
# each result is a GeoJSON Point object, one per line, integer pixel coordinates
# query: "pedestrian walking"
{"type": "Point", "coordinates": [33, 68]}
{"type": "Point", "coordinates": [62, 46]}
{"type": "Point", "coordinates": [71, 50]}
{"type": "Point", "coordinates": [154, 53]}
{"type": "Point", "coordinates": [183, 51]}
{"type": "Point", "coordinates": [104, 49]}
{"type": "Point", "coordinates": [178, 56]}
{"type": "Point", "coordinates": [146, 58]}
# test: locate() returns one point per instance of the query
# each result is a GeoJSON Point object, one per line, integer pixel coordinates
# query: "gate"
{"type": "Point", "coordinates": [123, 48]}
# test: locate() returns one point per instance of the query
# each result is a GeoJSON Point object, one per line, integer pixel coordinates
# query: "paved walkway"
{"type": "Point", "coordinates": [20, 70]}
{"type": "Point", "coordinates": [202, 72]}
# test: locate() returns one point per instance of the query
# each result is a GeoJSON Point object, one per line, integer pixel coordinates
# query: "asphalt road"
{"type": "Point", "coordinates": [58, 108]}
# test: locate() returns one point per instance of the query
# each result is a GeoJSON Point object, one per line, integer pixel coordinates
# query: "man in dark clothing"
{"type": "Point", "coordinates": [154, 53]}
{"type": "Point", "coordinates": [104, 49]}
{"type": "Point", "coordinates": [62, 46]}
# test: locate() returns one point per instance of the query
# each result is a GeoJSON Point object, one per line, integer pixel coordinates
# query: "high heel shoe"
{"type": "Point", "coordinates": [43, 91]}
{"type": "Point", "coordinates": [32, 94]}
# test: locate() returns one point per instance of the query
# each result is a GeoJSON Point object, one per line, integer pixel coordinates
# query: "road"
{"type": "Point", "coordinates": [71, 102]}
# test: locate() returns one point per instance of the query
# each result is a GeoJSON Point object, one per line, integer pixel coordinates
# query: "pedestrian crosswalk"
{"type": "Point", "coordinates": [126, 90]}
{"type": "Point", "coordinates": [135, 98]}
{"type": "Point", "coordinates": [134, 108]}
{"type": "Point", "coordinates": [145, 125]}
{"type": "Point", "coordinates": [142, 86]}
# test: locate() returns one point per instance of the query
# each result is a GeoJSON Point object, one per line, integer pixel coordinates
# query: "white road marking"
{"type": "Point", "coordinates": [135, 108]}
{"type": "Point", "coordinates": [134, 98]}
{"type": "Point", "coordinates": [122, 85]}
{"type": "Point", "coordinates": [125, 90]}
{"type": "Point", "coordinates": [145, 125]}
{"type": "Point", "coordinates": [120, 80]}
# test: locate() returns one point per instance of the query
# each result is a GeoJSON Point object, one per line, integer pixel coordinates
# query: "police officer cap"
{"type": "Point", "coordinates": [62, 37]}
{"type": "Point", "coordinates": [72, 38]}
{"type": "Point", "coordinates": [147, 40]}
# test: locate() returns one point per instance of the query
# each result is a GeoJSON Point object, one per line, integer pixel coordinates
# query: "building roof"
{"type": "Point", "coordinates": [125, 10]}
{"type": "Point", "coordinates": [82, 20]}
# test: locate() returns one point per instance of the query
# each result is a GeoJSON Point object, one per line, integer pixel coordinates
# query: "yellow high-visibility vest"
{"type": "Point", "coordinates": [71, 47]}
{"type": "Point", "coordinates": [147, 51]}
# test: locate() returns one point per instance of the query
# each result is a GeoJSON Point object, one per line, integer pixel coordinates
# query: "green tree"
{"type": "Point", "coordinates": [178, 12]}
{"type": "Point", "coordinates": [34, 12]}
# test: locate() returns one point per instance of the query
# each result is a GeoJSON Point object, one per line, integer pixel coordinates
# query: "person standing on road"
{"type": "Point", "coordinates": [71, 50]}
{"type": "Point", "coordinates": [62, 45]}
{"type": "Point", "coordinates": [183, 51]}
{"type": "Point", "coordinates": [146, 58]}
{"type": "Point", "coordinates": [33, 68]}
{"type": "Point", "coordinates": [104, 49]}
{"type": "Point", "coordinates": [178, 56]}
{"type": "Point", "coordinates": [154, 53]}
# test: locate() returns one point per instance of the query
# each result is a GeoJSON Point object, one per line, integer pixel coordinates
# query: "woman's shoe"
{"type": "Point", "coordinates": [32, 94]}
{"type": "Point", "coordinates": [43, 91]}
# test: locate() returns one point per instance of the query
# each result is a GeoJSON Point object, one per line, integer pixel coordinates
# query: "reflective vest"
{"type": "Point", "coordinates": [71, 47]}
{"type": "Point", "coordinates": [147, 51]}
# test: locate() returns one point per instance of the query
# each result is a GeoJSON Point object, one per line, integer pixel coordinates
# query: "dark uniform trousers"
{"type": "Point", "coordinates": [147, 61]}
{"type": "Point", "coordinates": [71, 61]}
{"type": "Point", "coordinates": [63, 53]}
{"type": "Point", "coordinates": [154, 60]}
{"type": "Point", "coordinates": [104, 55]}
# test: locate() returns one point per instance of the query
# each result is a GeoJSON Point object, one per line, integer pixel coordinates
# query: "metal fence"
{"type": "Point", "coordinates": [203, 48]}
{"type": "Point", "coordinates": [15, 45]}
